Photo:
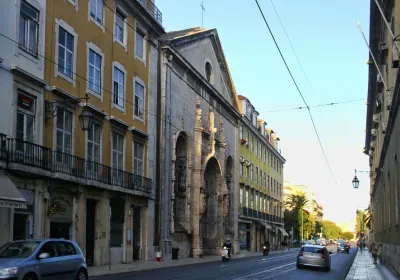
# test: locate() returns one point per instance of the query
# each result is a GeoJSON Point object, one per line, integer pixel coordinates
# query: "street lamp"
{"type": "Point", "coordinates": [85, 118]}
{"type": "Point", "coordinates": [355, 181]}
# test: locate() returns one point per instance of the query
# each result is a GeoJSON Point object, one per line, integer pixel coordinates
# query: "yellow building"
{"type": "Point", "coordinates": [383, 129]}
{"type": "Point", "coordinates": [261, 181]}
{"type": "Point", "coordinates": [93, 186]}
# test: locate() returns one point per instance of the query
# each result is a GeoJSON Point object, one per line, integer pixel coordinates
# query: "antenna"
{"type": "Point", "coordinates": [202, 13]}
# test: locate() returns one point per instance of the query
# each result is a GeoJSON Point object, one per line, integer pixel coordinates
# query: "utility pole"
{"type": "Point", "coordinates": [302, 228]}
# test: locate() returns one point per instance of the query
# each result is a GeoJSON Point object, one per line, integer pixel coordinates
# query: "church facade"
{"type": "Point", "coordinates": [199, 109]}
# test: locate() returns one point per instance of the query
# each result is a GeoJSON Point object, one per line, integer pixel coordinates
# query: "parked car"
{"type": "Point", "coordinates": [315, 256]}
{"type": "Point", "coordinates": [37, 259]}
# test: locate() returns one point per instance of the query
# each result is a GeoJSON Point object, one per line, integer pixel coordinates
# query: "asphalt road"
{"type": "Point", "coordinates": [276, 266]}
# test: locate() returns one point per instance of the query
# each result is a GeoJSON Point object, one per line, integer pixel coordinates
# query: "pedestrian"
{"type": "Point", "coordinates": [361, 245]}
{"type": "Point", "coordinates": [380, 253]}
{"type": "Point", "coordinates": [374, 251]}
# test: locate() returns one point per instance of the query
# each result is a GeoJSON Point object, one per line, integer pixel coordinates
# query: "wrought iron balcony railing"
{"type": "Point", "coordinates": [17, 151]}
{"type": "Point", "coordinates": [248, 212]}
{"type": "Point", "coordinates": [152, 9]}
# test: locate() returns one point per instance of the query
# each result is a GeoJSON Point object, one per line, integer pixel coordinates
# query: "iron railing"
{"type": "Point", "coordinates": [152, 9]}
{"type": "Point", "coordinates": [18, 151]}
{"type": "Point", "coordinates": [248, 212]}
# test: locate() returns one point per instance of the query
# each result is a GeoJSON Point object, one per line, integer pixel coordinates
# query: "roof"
{"type": "Point", "coordinates": [183, 33]}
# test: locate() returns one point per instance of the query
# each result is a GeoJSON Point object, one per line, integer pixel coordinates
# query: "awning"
{"type": "Point", "coordinates": [283, 231]}
{"type": "Point", "coordinates": [266, 225]}
{"type": "Point", "coordinates": [10, 196]}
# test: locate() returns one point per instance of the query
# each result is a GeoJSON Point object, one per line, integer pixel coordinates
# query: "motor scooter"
{"type": "Point", "coordinates": [265, 251]}
{"type": "Point", "coordinates": [225, 254]}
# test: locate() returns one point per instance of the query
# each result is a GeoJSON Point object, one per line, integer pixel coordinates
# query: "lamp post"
{"type": "Point", "coordinates": [85, 118]}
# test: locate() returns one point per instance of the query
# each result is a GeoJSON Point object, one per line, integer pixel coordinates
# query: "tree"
{"type": "Point", "coordinates": [347, 235]}
{"type": "Point", "coordinates": [296, 204]}
{"type": "Point", "coordinates": [330, 230]}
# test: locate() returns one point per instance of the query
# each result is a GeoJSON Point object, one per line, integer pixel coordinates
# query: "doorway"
{"type": "Point", "coordinates": [20, 227]}
{"type": "Point", "coordinates": [136, 240]}
{"type": "Point", "coordinates": [90, 230]}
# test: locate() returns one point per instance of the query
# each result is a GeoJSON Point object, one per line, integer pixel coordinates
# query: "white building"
{"type": "Point", "coordinates": [22, 28]}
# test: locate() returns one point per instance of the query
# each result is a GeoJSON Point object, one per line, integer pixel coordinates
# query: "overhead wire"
{"type": "Point", "coordinates": [298, 89]}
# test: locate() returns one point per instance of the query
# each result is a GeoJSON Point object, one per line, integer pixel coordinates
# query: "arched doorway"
{"type": "Point", "coordinates": [180, 236]}
{"type": "Point", "coordinates": [210, 215]}
{"type": "Point", "coordinates": [228, 226]}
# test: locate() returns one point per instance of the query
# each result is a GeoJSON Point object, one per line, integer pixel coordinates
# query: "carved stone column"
{"type": "Point", "coordinates": [212, 130]}
{"type": "Point", "coordinates": [197, 179]}
{"type": "Point", "coordinates": [172, 186]}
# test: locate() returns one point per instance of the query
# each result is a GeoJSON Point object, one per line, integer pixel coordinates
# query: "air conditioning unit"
{"type": "Point", "coordinates": [383, 46]}
{"type": "Point", "coordinates": [375, 118]}
{"type": "Point", "coordinates": [373, 132]}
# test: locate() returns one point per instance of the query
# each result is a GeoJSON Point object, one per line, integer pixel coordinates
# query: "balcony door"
{"type": "Point", "coordinates": [64, 141]}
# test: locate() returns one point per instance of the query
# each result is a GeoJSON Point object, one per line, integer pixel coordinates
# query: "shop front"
{"type": "Point", "coordinates": [245, 235]}
{"type": "Point", "coordinates": [60, 213]}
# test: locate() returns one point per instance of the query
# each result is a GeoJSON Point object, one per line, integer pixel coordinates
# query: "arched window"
{"type": "Point", "coordinates": [209, 74]}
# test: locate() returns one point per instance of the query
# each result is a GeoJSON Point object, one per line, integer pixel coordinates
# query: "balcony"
{"type": "Point", "coordinates": [251, 213]}
{"type": "Point", "coordinates": [56, 164]}
{"type": "Point", "coordinates": [152, 9]}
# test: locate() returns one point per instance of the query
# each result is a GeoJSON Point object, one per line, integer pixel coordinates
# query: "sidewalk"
{"type": "Point", "coordinates": [363, 268]}
{"type": "Point", "coordinates": [150, 265]}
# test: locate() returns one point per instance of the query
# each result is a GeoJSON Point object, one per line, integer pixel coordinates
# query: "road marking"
{"type": "Point", "coordinates": [286, 271]}
{"type": "Point", "coordinates": [272, 258]}
{"type": "Point", "coordinates": [243, 277]}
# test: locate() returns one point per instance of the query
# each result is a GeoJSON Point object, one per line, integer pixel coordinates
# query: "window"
{"type": "Point", "coordinates": [247, 171]}
{"type": "Point", "coordinates": [65, 52]}
{"type": "Point", "coordinates": [138, 156]}
{"type": "Point", "coordinates": [256, 147]}
{"type": "Point", "coordinates": [270, 184]}
{"type": "Point", "coordinates": [93, 148]}
{"type": "Point", "coordinates": [265, 180]}
{"type": "Point", "coordinates": [241, 169]}
{"type": "Point", "coordinates": [64, 136]}
{"type": "Point", "coordinates": [247, 198]}
{"type": "Point", "coordinates": [208, 70]}
{"type": "Point", "coordinates": [65, 249]}
{"type": "Point", "coordinates": [241, 197]}
{"type": "Point", "coordinates": [119, 87]}
{"type": "Point", "coordinates": [241, 132]}
{"type": "Point", "coordinates": [25, 117]}
{"type": "Point", "coordinates": [120, 27]}
{"type": "Point", "coordinates": [96, 10]}
{"type": "Point", "coordinates": [95, 62]}
{"type": "Point", "coordinates": [252, 200]}
{"type": "Point", "coordinates": [139, 47]}
{"type": "Point", "coordinates": [139, 100]}
{"type": "Point", "coordinates": [28, 28]}
{"type": "Point", "coordinates": [256, 202]}
{"type": "Point", "coordinates": [257, 175]}
{"type": "Point", "coordinates": [252, 143]}
{"type": "Point", "coordinates": [260, 153]}
{"type": "Point", "coordinates": [247, 137]}
{"type": "Point", "coordinates": [252, 170]}
{"type": "Point", "coordinates": [261, 181]}
{"type": "Point", "coordinates": [118, 151]}
{"type": "Point", "coordinates": [265, 205]}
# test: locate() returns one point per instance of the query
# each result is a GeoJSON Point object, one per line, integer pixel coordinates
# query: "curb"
{"type": "Point", "coordinates": [180, 265]}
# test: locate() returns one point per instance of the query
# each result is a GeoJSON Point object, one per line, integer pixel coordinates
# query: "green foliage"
{"type": "Point", "coordinates": [347, 235]}
{"type": "Point", "coordinates": [330, 230]}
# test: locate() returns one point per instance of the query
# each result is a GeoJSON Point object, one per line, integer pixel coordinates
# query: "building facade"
{"type": "Point", "coordinates": [199, 109]}
{"type": "Point", "coordinates": [21, 105]}
{"type": "Point", "coordinates": [95, 187]}
{"type": "Point", "coordinates": [260, 182]}
{"type": "Point", "coordinates": [383, 130]}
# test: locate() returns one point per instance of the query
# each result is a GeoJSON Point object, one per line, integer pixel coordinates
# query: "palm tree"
{"type": "Point", "coordinates": [296, 204]}
{"type": "Point", "coordinates": [367, 217]}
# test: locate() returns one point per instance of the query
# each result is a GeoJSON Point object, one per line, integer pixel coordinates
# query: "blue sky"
{"type": "Point", "coordinates": [330, 47]}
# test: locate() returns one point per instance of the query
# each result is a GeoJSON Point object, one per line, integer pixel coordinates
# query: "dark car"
{"type": "Point", "coordinates": [343, 247]}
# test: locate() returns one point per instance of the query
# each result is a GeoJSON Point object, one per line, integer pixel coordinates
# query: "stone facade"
{"type": "Point", "coordinates": [200, 101]}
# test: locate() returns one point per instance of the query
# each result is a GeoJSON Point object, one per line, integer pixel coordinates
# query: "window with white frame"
{"type": "Point", "coordinates": [28, 28]}
{"type": "Point", "coordinates": [65, 52]}
{"type": "Point", "coordinates": [93, 148]}
{"type": "Point", "coordinates": [265, 154]}
{"type": "Point", "coordinates": [119, 31]}
{"type": "Point", "coordinates": [138, 158]}
{"type": "Point", "coordinates": [247, 199]}
{"type": "Point", "coordinates": [265, 180]}
{"type": "Point", "coordinates": [247, 137]}
{"type": "Point", "coordinates": [241, 169]}
{"type": "Point", "coordinates": [265, 205]}
{"type": "Point", "coordinates": [96, 10]}
{"type": "Point", "coordinates": [256, 147]}
{"type": "Point", "coordinates": [140, 50]}
{"type": "Point", "coordinates": [139, 100]}
{"type": "Point", "coordinates": [256, 202]}
{"type": "Point", "coordinates": [241, 132]}
{"type": "Point", "coordinates": [252, 143]}
{"type": "Point", "coordinates": [261, 148]}
{"type": "Point", "coordinates": [256, 175]}
{"type": "Point", "coordinates": [261, 181]}
{"type": "Point", "coordinates": [251, 172]}
{"type": "Point", "coordinates": [64, 136]}
{"type": "Point", "coordinates": [25, 117]}
{"type": "Point", "coordinates": [95, 68]}
{"type": "Point", "coordinates": [118, 151]}
{"type": "Point", "coordinates": [241, 197]}
{"type": "Point", "coordinates": [252, 199]}
{"type": "Point", "coordinates": [119, 87]}
{"type": "Point", "coordinates": [247, 171]}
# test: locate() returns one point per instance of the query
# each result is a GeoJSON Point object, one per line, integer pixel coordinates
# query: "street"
{"type": "Point", "coordinates": [276, 266]}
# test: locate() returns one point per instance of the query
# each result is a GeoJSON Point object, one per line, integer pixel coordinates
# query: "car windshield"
{"type": "Point", "coordinates": [18, 249]}
{"type": "Point", "coordinates": [313, 250]}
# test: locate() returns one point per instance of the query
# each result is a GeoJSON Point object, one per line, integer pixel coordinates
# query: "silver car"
{"type": "Point", "coordinates": [314, 255]}
{"type": "Point", "coordinates": [48, 259]}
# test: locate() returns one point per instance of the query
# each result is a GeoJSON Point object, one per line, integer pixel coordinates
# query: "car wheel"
{"type": "Point", "coordinates": [29, 277]}
{"type": "Point", "coordinates": [81, 276]}
{"type": "Point", "coordinates": [298, 266]}
{"type": "Point", "coordinates": [328, 268]}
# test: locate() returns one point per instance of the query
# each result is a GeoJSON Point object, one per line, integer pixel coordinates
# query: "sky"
{"type": "Point", "coordinates": [333, 55]}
